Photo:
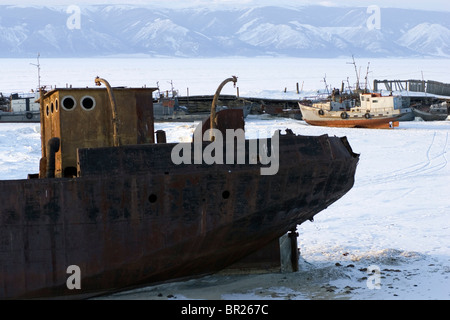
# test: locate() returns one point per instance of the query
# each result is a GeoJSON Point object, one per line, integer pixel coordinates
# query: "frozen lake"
{"type": "Point", "coordinates": [395, 219]}
{"type": "Point", "coordinates": [267, 77]}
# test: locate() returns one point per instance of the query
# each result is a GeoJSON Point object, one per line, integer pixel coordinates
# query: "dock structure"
{"type": "Point", "coordinates": [426, 86]}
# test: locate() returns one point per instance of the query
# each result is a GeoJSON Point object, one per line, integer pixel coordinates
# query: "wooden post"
{"type": "Point", "coordinates": [187, 94]}
{"type": "Point", "coordinates": [294, 249]}
{"type": "Point", "coordinates": [161, 136]}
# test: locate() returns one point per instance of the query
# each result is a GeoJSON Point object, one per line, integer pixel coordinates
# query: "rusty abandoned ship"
{"type": "Point", "coordinates": [109, 200]}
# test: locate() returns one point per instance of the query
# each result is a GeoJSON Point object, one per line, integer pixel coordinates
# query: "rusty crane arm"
{"type": "Point", "coordinates": [115, 119]}
{"type": "Point", "coordinates": [213, 105]}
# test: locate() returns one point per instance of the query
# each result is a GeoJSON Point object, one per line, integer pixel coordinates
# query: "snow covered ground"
{"type": "Point", "coordinates": [395, 220]}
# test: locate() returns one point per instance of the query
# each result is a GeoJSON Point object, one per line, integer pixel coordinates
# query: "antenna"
{"type": "Point", "coordinates": [171, 87]}
{"type": "Point", "coordinates": [356, 71]}
{"type": "Point", "coordinates": [38, 65]}
{"type": "Point", "coordinates": [367, 75]}
{"type": "Point", "coordinates": [326, 85]}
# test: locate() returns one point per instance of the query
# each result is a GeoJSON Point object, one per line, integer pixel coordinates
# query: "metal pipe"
{"type": "Point", "coordinates": [161, 136]}
{"type": "Point", "coordinates": [42, 169]}
{"type": "Point", "coordinates": [115, 119]}
{"type": "Point", "coordinates": [53, 148]}
{"type": "Point", "coordinates": [213, 105]}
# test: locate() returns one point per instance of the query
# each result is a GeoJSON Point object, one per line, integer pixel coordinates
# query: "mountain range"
{"type": "Point", "coordinates": [308, 31]}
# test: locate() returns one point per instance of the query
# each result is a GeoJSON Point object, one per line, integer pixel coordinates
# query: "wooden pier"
{"type": "Point", "coordinates": [429, 86]}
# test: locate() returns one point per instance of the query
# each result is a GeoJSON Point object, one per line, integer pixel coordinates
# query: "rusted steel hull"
{"type": "Point", "coordinates": [134, 218]}
{"type": "Point", "coordinates": [373, 123]}
{"type": "Point", "coordinates": [361, 119]}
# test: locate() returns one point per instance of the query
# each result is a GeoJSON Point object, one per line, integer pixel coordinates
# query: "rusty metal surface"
{"type": "Point", "coordinates": [216, 97]}
{"type": "Point", "coordinates": [81, 127]}
{"type": "Point", "coordinates": [374, 123]}
{"type": "Point", "coordinates": [225, 119]}
{"type": "Point", "coordinates": [134, 218]}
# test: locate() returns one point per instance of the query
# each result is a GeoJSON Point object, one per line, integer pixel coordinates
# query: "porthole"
{"type": "Point", "coordinates": [68, 103]}
{"type": "Point", "coordinates": [88, 103]}
{"type": "Point", "coordinates": [226, 194]}
{"type": "Point", "coordinates": [52, 107]}
{"type": "Point", "coordinates": [152, 198]}
{"type": "Point", "coordinates": [47, 110]}
{"type": "Point", "coordinates": [56, 105]}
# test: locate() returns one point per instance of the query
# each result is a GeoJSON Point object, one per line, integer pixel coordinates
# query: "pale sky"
{"type": "Point", "coordinates": [437, 5]}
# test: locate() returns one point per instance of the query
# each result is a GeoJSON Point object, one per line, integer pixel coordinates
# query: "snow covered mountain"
{"type": "Point", "coordinates": [310, 31]}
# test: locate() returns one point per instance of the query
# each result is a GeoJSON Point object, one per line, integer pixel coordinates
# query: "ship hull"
{"type": "Point", "coordinates": [348, 120]}
{"type": "Point", "coordinates": [12, 117]}
{"type": "Point", "coordinates": [369, 124]}
{"type": "Point", "coordinates": [134, 218]}
{"type": "Point", "coordinates": [428, 116]}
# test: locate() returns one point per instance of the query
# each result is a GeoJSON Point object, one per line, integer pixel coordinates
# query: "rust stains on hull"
{"type": "Point", "coordinates": [374, 123]}
{"type": "Point", "coordinates": [132, 217]}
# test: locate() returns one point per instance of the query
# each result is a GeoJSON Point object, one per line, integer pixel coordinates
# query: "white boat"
{"type": "Point", "coordinates": [21, 107]}
{"type": "Point", "coordinates": [368, 110]}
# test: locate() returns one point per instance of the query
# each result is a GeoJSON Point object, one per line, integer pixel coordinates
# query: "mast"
{"type": "Point", "coordinates": [38, 65]}
{"type": "Point", "coordinates": [43, 161]}
{"type": "Point", "coordinates": [367, 75]}
{"type": "Point", "coordinates": [356, 71]}
{"type": "Point", "coordinates": [326, 85]}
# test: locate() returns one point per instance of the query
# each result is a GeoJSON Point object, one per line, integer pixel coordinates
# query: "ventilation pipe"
{"type": "Point", "coordinates": [115, 119]}
{"type": "Point", "coordinates": [213, 105]}
{"type": "Point", "coordinates": [52, 149]}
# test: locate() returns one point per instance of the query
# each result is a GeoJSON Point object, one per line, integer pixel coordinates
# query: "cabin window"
{"type": "Point", "coordinates": [375, 101]}
{"type": "Point", "coordinates": [47, 110]}
{"type": "Point", "coordinates": [56, 105]}
{"type": "Point", "coordinates": [52, 107]}
{"type": "Point", "coordinates": [87, 103]}
{"type": "Point", "coordinates": [68, 103]}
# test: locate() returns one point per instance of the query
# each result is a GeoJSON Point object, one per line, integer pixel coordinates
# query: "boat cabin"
{"type": "Point", "coordinates": [24, 102]}
{"type": "Point", "coordinates": [375, 102]}
{"type": "Point", "coordinates": [368, 102]}
{"type": "Point", "coordinates": [92, 118]}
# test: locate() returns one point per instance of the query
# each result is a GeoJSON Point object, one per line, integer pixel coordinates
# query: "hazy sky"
{"type": "Point", "coordinates": [438, 5]}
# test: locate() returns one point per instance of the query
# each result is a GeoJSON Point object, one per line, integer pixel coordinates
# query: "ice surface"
{"type": "Point", "coordinates": [396, 217]}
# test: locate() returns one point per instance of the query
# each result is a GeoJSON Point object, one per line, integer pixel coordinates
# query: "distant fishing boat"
{"type": "Point", "coordinates": [23, 107]}
{"type": "Point", "coordinates": [20, 107]}
{"type": "Point", "coordinates": [366, 110]}
{"type": "Point", "coordinates": [435, 112]}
